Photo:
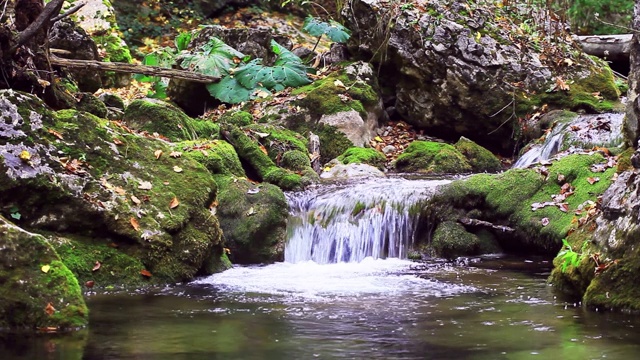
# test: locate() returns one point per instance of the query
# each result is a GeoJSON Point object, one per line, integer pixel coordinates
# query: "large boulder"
{"type": "Point", "coordinates": [73, 173]}
{"type": "Point", "coordinates": [37, 290]}
{"type": "Point", "coordinates": [455, 70]}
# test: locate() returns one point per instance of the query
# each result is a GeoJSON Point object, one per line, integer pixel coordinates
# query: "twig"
{"type": "Point", "coordinates": [68, 12]}
{"type": "Point", "coordinates": [4, 8]}
{"type": "Point", "coordinates": [501, 110]}
{"type": "Point", "coordinates": [513, 114]}
{"type": "Point", "coordinates": [47, 13]}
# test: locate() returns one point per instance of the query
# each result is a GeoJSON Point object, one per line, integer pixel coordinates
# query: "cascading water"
{"type": "Point", "coordinates": [586, 131]}
{"type": "Point", "coordinates": [349, 223]}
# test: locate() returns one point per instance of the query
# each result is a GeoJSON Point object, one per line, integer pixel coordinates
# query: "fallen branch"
{"type": "Point", "coordinates": [482, 223]}
{"type": "Point", "coordinates": [69, 12]}
{"type": "Point", "coordinates": [133, 69]}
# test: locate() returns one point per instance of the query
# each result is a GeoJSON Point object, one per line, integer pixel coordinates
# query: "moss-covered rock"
{"type": "Point", "coordinates": [91, 104]}
{"type": "Point", "coordinates": [37, 290]}
{"type": "Point", "coordinates": [77, 174]}
{"type": "Point", "coordinates": [253, 219]}
{"type": "Point", "coordinates": [295, 160]}
{"type": "Point", "coordinates": [507, 199]}
{"type": "Point", "coordinates": [237, 118]}
{"type": "Point", "coordinates": [262, 167]}
{"type": "Point", "coordinates": [218, 156]}
{"type": "Point", "coordinates": [451, 240]}
{"type": "Point", "coordinates": [480, 159]}
{"type": "Point", "coordinates": [432, 157]}
{"type": "Point", "coordinates": [363, 156]}
{"type": "Point", "coordinates": [157, 116]}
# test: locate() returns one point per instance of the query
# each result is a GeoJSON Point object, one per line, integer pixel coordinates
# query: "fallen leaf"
{"type": "Point", "coordinates": [564, 207]}
{"type": "Point", "coordinates": [261, 134]}
{"type": "Point", "coordinates": [135, 200]}
{"type": "Point", "coordinates": [561, 84]}
{"type": "Point", "coordinates": [568, 61]}
{"type": "Point", "coordinates": [251, 211]}
{"type": "Point", "coordinates": [165, 183]}
{"type": "Point", "coordinates": [157, 154]}
{"type": "Point", "coordinates": [175, 154]}
{"type": "Point", "coordinates": [177, 169]}
{"type": "Point", "coordinates": [145, 273]}
{"type": "Point", "coordinates": [117, 141]}
{"type": "Point", "coordinates": [120, 191]}
{"type": "Point", "coordinates": [89, 284]}
{"type": "Point", "coordinates": [561, 178]}
{"type": "Point", "coordinates": [45, 268]}
{"type": "Point", "coordinates": [565, 188]}
{"type": "Point", "coordinates": [593, 180]}
{"type": "Point", "coordinates": [97, 266]}
{"type": "Point", "coordinates": [264, 150]}
{"type": "Point", "coordinates": [253, 191]}
{"type": "Point", "coordinates": [174, 203]}
{"type": "Point", "coordinates": [544, 221]}
{"type": "Point", "coordinates": [339, 84]}
{"type": "Point", "coordinates": [49, 309]}
{"type": "Point", "coordinates": [56, 134]}
{"type": "Point", "coordinates": [227, 250]}
{"type": "Point", "coordinates": [25, 156]}
{"type": "Point", "coordinates": [378, 139]}
{"type": "Point", "coordinates": [134, 223]}
{"type": "Point", "coordinates": [145, 185]}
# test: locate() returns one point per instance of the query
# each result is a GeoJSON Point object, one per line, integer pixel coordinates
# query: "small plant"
{"type": "Point", "coordinates": [569, 256]}
{"type": "Point", "coordinates": [14, 212]}
{"type": "Point", "coordinates": [332, 29]}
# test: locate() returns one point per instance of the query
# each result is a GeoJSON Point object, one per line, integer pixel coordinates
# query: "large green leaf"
{"type": "Point", "coordinates": [163, 57]}
{"type": "Point", "coordinates": [215, 58]}
{"type": "Point", "coordinates": [182, 41]}
{"type": "Point", "coordinates": [284, 56]}
{"type": "Point", "coordinates": [229, 90]}
{"type": "Point", "coordinates": [254, 74]}
{"type": "Point", "coordinates": [334, 30]}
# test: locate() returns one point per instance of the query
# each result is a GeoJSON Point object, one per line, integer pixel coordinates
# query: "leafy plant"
{"type": "Point", "coordinates": [15, 213]}
{"type": "Point", "coordinates": [334, 30]}
{"type": "Point", "coordinates": [164, 57]}
{"type": "Point", "coordinates": [569, 256]}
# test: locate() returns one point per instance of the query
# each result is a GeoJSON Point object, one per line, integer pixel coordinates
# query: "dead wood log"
{"type": "Point", "coordinates": [133, 69]}
{"type": "Point", "coordinates": [610, 47]}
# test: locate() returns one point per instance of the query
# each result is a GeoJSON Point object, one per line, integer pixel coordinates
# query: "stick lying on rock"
{"type": "Point", "coordinates": [482, 223]}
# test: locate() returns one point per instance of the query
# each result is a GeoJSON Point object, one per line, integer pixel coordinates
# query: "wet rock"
{"type": "Point", "coordinates": [342, 172]}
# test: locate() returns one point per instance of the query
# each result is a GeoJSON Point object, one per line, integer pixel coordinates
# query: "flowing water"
{"type": "Point", "coordinates": [385, 308]}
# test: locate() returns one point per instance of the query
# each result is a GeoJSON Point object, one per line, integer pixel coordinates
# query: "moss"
{"type": "Point", "coordinates": [156, 116]}
{"type": "Point", "coordinates": [322, 96]}
{"type": "Point", "coordinates": [27, 289]}
{"type": "Point", "coordinates": [597, 92]}
{"type": "Point", "coordinates": [115, 49]}
{"type": "Point", "coordinates": [451, 240]}
{"type": "Point", "coordinates": [624, 160]}
{"type": "Point", "coordinates": [253, 222]}
{"type": "Point", "coordinates": [358, 208]}
{"type": "Point", "coordinates": [508, 197]}
{"type": "Point", "coordinates": [332, 142]}
{"type": "Point", "coordinates": [218, 156]}
{"type": "Point", "coordinates": [237, 118]}
{"type": "Point", "coordinates": [91, 104]}
{"type": "Point", "coordinates": [277, 140]}
{"type": "Point", "coordinates": [82, 254]}
{"type": "Point", "coordinates": [252, 154]}
{"type": "Point", "coordinates": [295, 160]}
{"type": "Point", "coordinates": [432, 157]}
{"type": "Point", "coordinates": [480, 159]}
{"type": "Point", "coordinates": [363, 156]}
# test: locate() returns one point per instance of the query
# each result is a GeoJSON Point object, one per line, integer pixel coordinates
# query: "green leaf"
{"type": "Point", "coordinates": [182, 41]}
{"type": "Point", "coordinates": [16, 215]}
{"type": "Point", "coordinates": [284, 56]}
{"type": "Point", "coordinates": [214, 58]}
{"type": "Point", "coordinates": [334, 30]}
{"type": "Point", "coordinates": [229, 90]}
{"type": "Point", "coordinates": [276, 78]}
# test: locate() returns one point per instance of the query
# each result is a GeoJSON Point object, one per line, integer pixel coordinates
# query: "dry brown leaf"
{"type": "Point", "coordinates": [49, 309]}
{"type": "Point", "coordinates": [157, 154]}
{"type": "Point", "coordinates": [264, 150]}
{"type": "Point", "coordinates": [175, 154]}
{"type": "Point", "coordinates": [145, 185]}
{"type": "Point", "coordinates": [117, 141]}
{"type": "Point", "coordinates": [145, 273]}
{"type": "Point", "coordinates": [593, 180]}
{"type": "Point", "coordinates": [544, 221]}
{"type": "Point", "coordinates": [135, 200]}
{"type": "Point", "coordinates": [174, 203]}
{"type": "Point", "coordinates": [97, 266]}
{"type": "Point", "coordinates": [56, 134]}
{"type": "Point", "coordinates": [89, 284]}
{"type": "Point", "coordinates": [134, 223]}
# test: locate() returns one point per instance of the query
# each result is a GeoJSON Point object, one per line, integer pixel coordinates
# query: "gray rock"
{"type": "Point", "coordinates": [341, 172]}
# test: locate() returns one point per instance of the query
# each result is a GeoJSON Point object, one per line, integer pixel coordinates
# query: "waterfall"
{"type": "Point", "coordinates": [348, 223]}
{"type": "Point", "coordinates": [582, 132]}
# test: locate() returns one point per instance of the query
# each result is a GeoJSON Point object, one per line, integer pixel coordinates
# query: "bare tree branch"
{"type": "Point", "coordinates": [134, 69]}
{"type": "Point", "coordinates": [51, 9]}
{"type": "Point", "coordinates": [68, 12]}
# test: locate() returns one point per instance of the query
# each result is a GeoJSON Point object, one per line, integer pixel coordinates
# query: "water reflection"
{"type": "Point", "coordinates": [491, 310]}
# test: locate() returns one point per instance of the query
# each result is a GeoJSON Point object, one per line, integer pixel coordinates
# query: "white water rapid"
{"type": "Point", "coordinates": [349, 223]}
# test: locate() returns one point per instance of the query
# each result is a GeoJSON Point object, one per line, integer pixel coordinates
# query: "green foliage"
{"type": "Point", "coordinates": [182, 41]}
{"type": "Point", "coordinates": [215, 58]}
{"type": "Point", "coordinates": [164, 57]}
{"type": "Point", "coordinates": [570, 257]}
{"type": "Point", "coordinates": [600, 16]}
{"type": "Point", "coordinates": [334, 30]}
{"type": "Point", "coordinates": [255, 79]}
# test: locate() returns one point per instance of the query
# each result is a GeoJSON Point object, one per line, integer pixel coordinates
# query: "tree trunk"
{"type": "Point", "coordinates": [24, 51]}
{"type": "Point", "coordinates": [633, 106]}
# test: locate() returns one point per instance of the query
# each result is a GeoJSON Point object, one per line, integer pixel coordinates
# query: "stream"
{"type": "Point", "coordinates": [347, 297]}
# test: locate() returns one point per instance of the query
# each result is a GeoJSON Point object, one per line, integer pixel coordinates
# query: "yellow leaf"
{"type": "Point", "coordinates": [177, 169]}
{"type": "Point", "coordinates": [327, 168]}
{"type": "Point", "coordinates": [157, 154]}
{"type": "Point", "coordinates": [134, 223]}
{"type": "Point", "coordinates": [174, 203]}
{"type": "Point", "coordinates": [24, 155]}
{"type": "Point", "coordinates": [378, 139]}
{"type": "Point", "coordinates": [45, 268]}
